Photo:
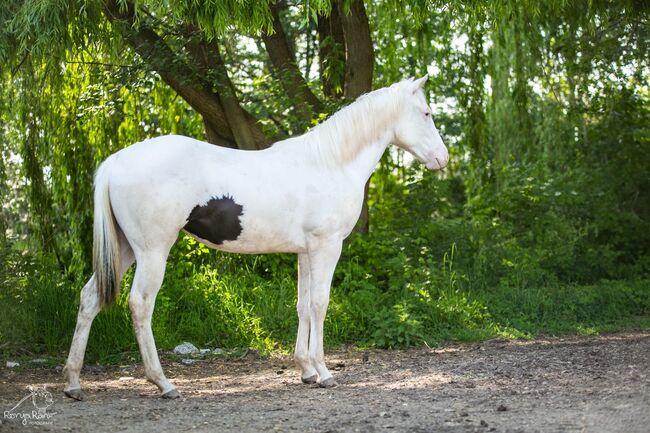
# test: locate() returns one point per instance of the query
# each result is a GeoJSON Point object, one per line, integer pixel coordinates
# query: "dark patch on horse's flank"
{"type": "Point", "coordinates": [216, 221]}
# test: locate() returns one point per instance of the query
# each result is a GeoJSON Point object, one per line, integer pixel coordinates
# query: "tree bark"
{"type": "Point", "coordinates": [359, 63]}
{"type": "Point", "coordinates": [246, 130]}
{"type": "Point", "coordinates": [359, 54]}
{"type": "Point", "coordinates": [306, 104]}
{"type": "Point", "coordinates": [331, 52]}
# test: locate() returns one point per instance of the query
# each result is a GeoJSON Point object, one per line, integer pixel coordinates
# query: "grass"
{"type": "Point", "coordinates": [230, 301]}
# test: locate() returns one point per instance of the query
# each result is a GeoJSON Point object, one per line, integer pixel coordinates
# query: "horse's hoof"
{"type": "Point", "coordinates": [171, 394]}
{"type": "Point", "coordinates": [327, 383]}
{"type": "Point", "coordinates": [309, 380]}
{"type": "Point", "coordinates": [75, 394]}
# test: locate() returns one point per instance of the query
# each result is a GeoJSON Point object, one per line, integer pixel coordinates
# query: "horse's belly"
{"type": "Point", "coordinates": [224, 224]}
{"type": "Point", "coordinates": [256, 243]}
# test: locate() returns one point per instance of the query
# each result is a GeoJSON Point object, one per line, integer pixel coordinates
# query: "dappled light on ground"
{"type": "Point", "coordinates": [596, 384]}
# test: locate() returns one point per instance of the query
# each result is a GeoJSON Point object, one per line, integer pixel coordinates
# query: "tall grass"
{"type": "Point", "coordinates": [234, 301]}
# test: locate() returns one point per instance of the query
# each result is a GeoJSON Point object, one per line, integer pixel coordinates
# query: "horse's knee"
{"type": "Point", "coordinates": [318, 308]}
{"type": "Point", "coordinates": [303, 309]}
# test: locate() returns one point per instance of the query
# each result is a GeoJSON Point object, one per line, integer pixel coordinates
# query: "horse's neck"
{"type": "Point", "coordinates": [356, 143]}
{"type": "Point", "coordinates": [367, 159]}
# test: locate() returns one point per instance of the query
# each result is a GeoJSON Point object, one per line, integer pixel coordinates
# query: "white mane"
{"type": "Point", "coordinates": [340, 138]}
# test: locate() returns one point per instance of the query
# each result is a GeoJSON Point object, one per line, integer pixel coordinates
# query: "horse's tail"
{"type": "Point", "coordinates": [106, 248]}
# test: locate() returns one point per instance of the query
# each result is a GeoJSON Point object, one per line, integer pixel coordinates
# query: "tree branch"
{"type": "Point", "coordinates": [245, 128]}
{"type": "Point", "coordinates": [177, 74]}
{"type": "Point", "coordinates": [306, 104]}
{"type": "Point", "coordinates": [331, 52]}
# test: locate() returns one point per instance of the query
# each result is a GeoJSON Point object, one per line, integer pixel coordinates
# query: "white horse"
{"type": "Point", "coordinates": [302, 195]}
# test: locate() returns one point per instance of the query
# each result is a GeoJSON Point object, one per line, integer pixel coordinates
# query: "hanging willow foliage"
{"type": "Point", "coordinates": [514, 84]}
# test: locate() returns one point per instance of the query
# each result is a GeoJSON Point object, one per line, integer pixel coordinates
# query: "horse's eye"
{"type": "Point", "coordinates": [427, 114]}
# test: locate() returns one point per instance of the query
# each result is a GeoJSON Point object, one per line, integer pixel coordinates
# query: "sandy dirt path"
{"type": "Point", "coordinates": [581, 384]}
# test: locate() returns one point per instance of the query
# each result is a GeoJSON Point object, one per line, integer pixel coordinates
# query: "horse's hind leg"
{"type": "Point", "coordinates": [88, 308]}
{"type": "Point", "coordinates": [149, 274]}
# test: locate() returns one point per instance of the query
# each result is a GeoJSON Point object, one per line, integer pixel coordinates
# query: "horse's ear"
{"type": "Point", "coordinates": [419, 83]}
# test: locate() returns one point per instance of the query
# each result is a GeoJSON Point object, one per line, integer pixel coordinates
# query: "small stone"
{"type": "Point", "coordinates": [218, 351]}
{"type": "Point", "coordinates": [365, 357]}
{"type": "Point", "coordinates": [125, 378]}
{"type": "Point", "coordinates": [382, 414]}
{"type": "Point", "coordinates": [464, 414]}
{"type": "Point", "coordinates": [204, 351]}
{"type": "Point", "coordinates": [12, 364]}
{"type": "Point", "coordinates": [39, 360]}
{"type": "Point", "coordinates": [502, 408]}
{"type": "Point", "coordinates": [185, 349]}
{"type": "Point", "coordinates": [483, 423]}
{"type": "Point", "coordinates": [187, 361]}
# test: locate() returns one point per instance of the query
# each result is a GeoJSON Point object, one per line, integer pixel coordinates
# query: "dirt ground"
{"type": "Point", "coordinates": [590, 384]}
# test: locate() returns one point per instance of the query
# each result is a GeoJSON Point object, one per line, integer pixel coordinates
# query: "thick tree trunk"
{"type": "Point", "coordinates": [203, 81]}
{"type": "Point", "coordinates": [306, 104]}
{"type": "Point", "coordinates": [359, 53]}
{"type": "Point", "coordinates": [359, 63]}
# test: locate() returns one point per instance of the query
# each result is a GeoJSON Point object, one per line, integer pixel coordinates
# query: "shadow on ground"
{"type": "Point", "coordinates": [593, 384]}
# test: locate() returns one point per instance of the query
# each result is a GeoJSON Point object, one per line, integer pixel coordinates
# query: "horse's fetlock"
{"type": "Point", "coordinates": [316, 360]}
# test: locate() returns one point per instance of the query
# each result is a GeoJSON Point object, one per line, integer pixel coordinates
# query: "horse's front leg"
{"type": "Point", "coordinates": [322, 263]}
{"type": "Point", "coordinates": [301, 355]}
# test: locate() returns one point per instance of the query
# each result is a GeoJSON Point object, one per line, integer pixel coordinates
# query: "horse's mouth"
{"type": "Point", "coordinates": [436, 164]}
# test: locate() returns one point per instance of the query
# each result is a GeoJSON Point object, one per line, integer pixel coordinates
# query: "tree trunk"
{"type": "Point", "coordinates": [359, 63]}
{"type": "Point", "coordinates": [359, 54]}
{"type": "Point", "coordinates": [40, 198]}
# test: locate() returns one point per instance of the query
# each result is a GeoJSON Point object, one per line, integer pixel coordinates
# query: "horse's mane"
{"type": "Point", "coordinates": [340, 138]}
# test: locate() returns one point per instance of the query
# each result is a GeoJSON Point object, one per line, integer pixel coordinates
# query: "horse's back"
{"type": "Point", "coordinates": [169, 151]}
{"type": "Point", "coordinates": [278, 201]}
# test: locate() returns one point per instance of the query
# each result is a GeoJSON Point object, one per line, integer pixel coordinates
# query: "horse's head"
{"type": "Point", "coordinates": [415, 131]}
